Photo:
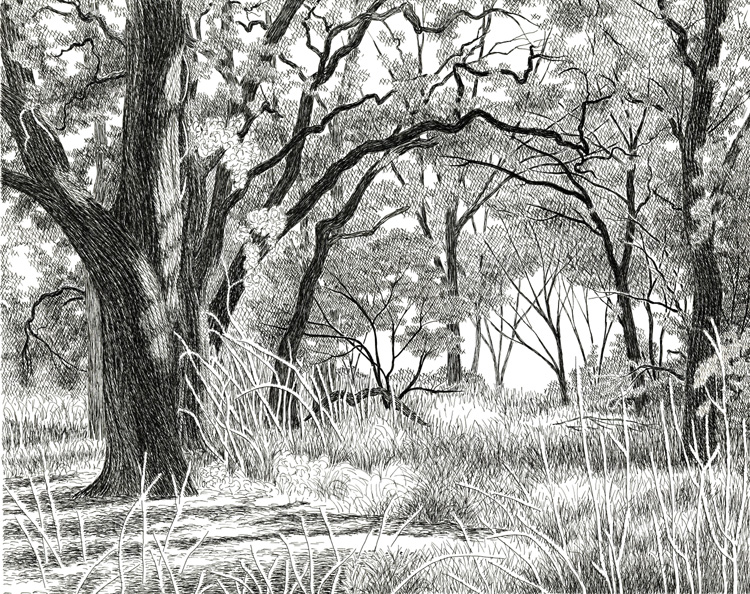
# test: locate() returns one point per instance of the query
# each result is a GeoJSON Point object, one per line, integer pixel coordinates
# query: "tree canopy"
{"type": "Point", "coordinates": [307, 160]}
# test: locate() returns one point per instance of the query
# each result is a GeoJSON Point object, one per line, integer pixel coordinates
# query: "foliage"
{"type": "Point", "coordinates": [731, 362]}
{"type": "Point", "coordinates": [51, 349]}
{"type": "Point", "coordinates": [380, 300]}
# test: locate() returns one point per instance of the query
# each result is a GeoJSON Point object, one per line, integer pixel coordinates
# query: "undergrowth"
{"type": "Point", "coordinates": [534, 496]}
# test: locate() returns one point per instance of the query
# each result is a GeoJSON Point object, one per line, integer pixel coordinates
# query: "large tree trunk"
{"type": "Point", "coordinates": [142, 304]}
{"type": "Point", "coordinates": [141, 385]}
{"type": "Point", "coordinates": [128, 252]}
{"type": "Point", "coordinates": [95, 367]}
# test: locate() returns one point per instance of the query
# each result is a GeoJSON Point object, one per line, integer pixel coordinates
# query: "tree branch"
{"type": "Point", "coordinates": [31, 333]}
{"type": "Point", "coordinates": [682, 42]}
{"type": "Point", "coordinates": [372, 230]}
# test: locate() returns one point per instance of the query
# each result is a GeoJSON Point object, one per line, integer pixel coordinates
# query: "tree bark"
{"type": "Point", "coordinates": [141, 377]}
{"type": "Point", "coordinates": [699, 420]}
{"type": "Point", "coordinates": [453, 363]}
{"type": "Point", "coordinates": [95, 368]}
{"type": "Point", "coordinates": [622, 275]}
{"type": "Point", "coordinates": [629, 329]}
{"type": "Point", "coordinates": [562, 379]}
{"type": "Point", "coordinates": [142, 307]}
{"type": "Point", "coordinates": [477, 344]}
{"type": "Point", "coordinates": [129, 252]}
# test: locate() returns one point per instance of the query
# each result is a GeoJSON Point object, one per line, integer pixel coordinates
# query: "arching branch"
{"type": "Point", "coordinates": [30, 332]}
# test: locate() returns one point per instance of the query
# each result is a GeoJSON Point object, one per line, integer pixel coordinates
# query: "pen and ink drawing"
{"type": "Point", "coordinates": [375, 296]}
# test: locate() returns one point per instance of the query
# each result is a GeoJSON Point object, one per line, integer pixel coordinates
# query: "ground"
{"type": "Point", "coordinates": [504, 491]}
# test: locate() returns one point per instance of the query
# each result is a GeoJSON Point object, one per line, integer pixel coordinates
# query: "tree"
{"type": "Point", "coordinates": [328, 232]}
{"type": "Point", "coordinates": [484, 286]}
{"type": "Point", "coordinates": [381, 300]}
{"type": "Point", "coordinates": [185, 161]}
{"type": "Point", "coordinates": [601, 190]}
{"type": "Point", "coordinates": [43, 319]}
{"type": "Point", "coordinates": [699, 53]}
{"type": "Point", "coordinates": [536, 272]}
{"type": "Point", "coordinates": [688, 71]}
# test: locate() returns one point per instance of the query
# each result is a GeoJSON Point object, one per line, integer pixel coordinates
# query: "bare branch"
{"type": "Point", "coordinates": [90, 17]}
{"type": "Point", "coordinates": [682, 42]}
{"type": "Point", "coordinates": [31, 333]}
{"type": "Point", "coordinates": [372, 230]}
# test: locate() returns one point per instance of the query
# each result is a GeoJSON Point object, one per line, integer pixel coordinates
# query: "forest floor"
{"type": "Point", "coordinates": [502, 492]}
{"type": "Point", "coordinates": [221, 526]}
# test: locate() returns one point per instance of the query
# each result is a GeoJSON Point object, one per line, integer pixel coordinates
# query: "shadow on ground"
{"type": "Point", "coordinates": [236, 538]}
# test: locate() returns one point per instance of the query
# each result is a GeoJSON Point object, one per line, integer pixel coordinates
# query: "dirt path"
{"type": "Point", "coordinates": [234, 532]}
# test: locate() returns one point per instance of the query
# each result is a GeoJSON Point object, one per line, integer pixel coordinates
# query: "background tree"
{"type": "Point", "coordinates": [536, 272]}
{"type": "Point", "coordinates": [696, 123]}
{"type": "Point", "coordinates": [381, 299]}
{"type": "Point", "coordinates": [43, 314]}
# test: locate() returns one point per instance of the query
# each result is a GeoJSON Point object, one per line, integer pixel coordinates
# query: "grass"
{"type": "Point", "coordinates": [517, 494]}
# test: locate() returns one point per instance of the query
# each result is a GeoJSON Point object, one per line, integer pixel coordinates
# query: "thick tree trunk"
{"type": "Point", "coordinates": [700, 422]}
{"type": "Point", "coordinates": [95, 368]}
{"type": "Point", "coordinates": [141, 382]}
{"type": "Point", "coordinates": [128, 253]}
{"type": "Point", "coordinates": [140, 294]}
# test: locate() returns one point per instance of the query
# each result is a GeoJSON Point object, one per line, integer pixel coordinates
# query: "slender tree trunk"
{"type": "Point", "coordinates": [477, 344]}
{"type": "Point", "coordinates": [193, 337]}
{"type": "Point", "coordinates": [629, 329]}
{"type": "Point", "coordinates": [652, 342]}
{"type": "Point", "coordinates": [506, 359]}
{"type": "Point", "coordinates": [622, 273]}
{"type": "Point", "coordinates": [699, 415]}
{"type": "Point", "coordinates": [453, 364]}
{"type": "Point", "coordinates": [327, 232]}
{"type": "Point", "coordinates": [192, 326]}
{"type": "Point", "coordinates": [562, 379]}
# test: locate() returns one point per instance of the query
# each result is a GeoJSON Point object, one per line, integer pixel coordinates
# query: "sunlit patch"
{"type": "Point", "coordinates": [341, 487]}
{"type": "Point", "coordinates": [463, 414]}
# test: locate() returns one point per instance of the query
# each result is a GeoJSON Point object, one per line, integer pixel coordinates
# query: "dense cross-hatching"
{"type": "Point", "coordinates": [375, 295]}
